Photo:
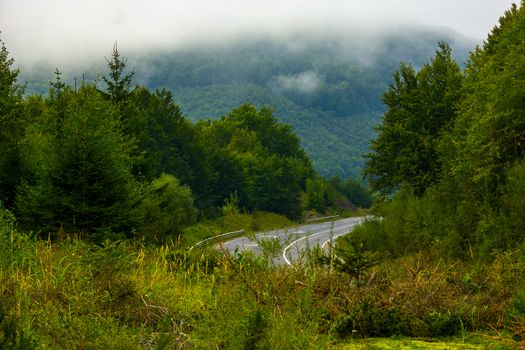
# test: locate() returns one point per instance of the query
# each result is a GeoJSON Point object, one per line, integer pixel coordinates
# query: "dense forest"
{"type": "Point", "coordinates": [448, 159]}
{"type": "Point", "coordinates": [105, 187]}
{"type": "Point", "coordinates": [125, 159]}
{"type": "Point", "coordinates": [327, 87]}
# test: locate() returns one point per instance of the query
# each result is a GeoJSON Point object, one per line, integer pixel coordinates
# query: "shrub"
{"type": "Point", "coordinates": [516, 316]}
{"type": "Point", "coordinates": [351, 257]}
{"type": "Point", "coordinates": [166, 208]}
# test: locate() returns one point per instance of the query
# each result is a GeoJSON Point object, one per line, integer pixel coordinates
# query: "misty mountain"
{"type": "Point", "coordinates": [328, 87]}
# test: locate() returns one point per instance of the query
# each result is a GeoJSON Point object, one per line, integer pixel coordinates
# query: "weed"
{"type": "Point", "coordinates": [131, 296]}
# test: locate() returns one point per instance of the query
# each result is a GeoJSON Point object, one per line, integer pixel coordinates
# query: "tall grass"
{"type": "Point", "coordinates": [128, 295]}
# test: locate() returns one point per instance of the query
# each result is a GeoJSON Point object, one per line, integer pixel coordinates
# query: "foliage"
{"type": "Point", "coordinates": [118, 85]}
{"type": "Point", "coordinates": [351, 257]}
{"type": "Point", "coordinates": [448, 157]}
{"type": "Point", "coordinates": [85, 183]}
{"type": "Point", "coordinates": [485, 159]}
{"type": "Point", "coordinates": [355, 191]}
{"type": "Point", "coordinates": [12, 124]}
{"type": "Point", "coordinates": [466, 199]}
{"type": "Point", "coordinates": [126, 295]}
{"type": "Point", "coordinates": [334, 118]}
{"type": "Point", "coordinates": [319, 195]}
{"type": "Point", "coordinates": [166, 142]}
{"type": "Point", "coordinates": [257, 158]}
{"type": "Point", "coordinates": [166, 209]}
{"type": "Point", "coordinates": [513, 203]}
{"type": "Point", "coordinates": [420, 107]}
{"type": "Point", "coordinates": [472, 342]}
{"type": "Point", "coordinates": [81, 156]}
{"type": "Point", "coordinates": [231, 205]}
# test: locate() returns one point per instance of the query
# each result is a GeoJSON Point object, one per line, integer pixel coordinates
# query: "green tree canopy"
{"type": "Point", "coordinates": [12, 124]}
{"type": "Point", "coordinates": [167, 142]}
{"type": "Point", "coordinates": [85, 183]}
{"type": "Point", "coordinates": [475, 205]}
{"type": "Point", "coordinates": [421, 105]}
{"type": "Point", "coordinates": [489, 135]}
{"type": "Point", "coordinates": [258, 158]}
{"type": "Point", "coordinates": [118, 84]}
{"type": "Point", "coordinates": [167, 207]}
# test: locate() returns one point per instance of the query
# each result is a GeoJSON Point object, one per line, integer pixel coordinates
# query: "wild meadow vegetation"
{"type": "Point", "coordinates": [104, 191]}
{"type": "Point", "coordinates": [133, 295]}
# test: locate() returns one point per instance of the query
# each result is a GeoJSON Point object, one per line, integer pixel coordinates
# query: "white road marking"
{"type": "Point", "coordinates": [305, 237]}
{"type": "Point", "coordinates": [333, 239]}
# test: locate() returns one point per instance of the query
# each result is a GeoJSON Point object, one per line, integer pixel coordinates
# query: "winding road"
{"type": "Point", "coordinates": [293, 242]}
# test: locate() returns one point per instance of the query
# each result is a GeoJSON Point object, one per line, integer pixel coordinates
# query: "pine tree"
{"type": "Point", "coordinates": [118, 84]}
{"type": "Point", "coordinates": [87, 187]}
{"type": "Point", "coordinates": [12, 126]}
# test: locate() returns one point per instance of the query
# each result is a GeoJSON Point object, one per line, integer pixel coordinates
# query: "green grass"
{"type": "Point", "coordinates": [128, 295]}
{"type": "Point", "coordinates": [474, 343]}
{"type": "Point", "coordinates": [250, 223]}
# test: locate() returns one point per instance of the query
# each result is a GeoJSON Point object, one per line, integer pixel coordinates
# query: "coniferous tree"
{"type": "Point", "coordinates": [12, 126]}
{"type": "Point", "coordinates": [87, 187]}
{"type": "Point", "coordinates": [118, 84]}
{"type": "Point", "coordinates": [167, 142]}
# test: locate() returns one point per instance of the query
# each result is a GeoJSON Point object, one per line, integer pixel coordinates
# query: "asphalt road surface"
{"type": "Point", "coordinates": [293, 242]}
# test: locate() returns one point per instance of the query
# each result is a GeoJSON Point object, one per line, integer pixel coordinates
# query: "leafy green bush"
{"type": "Point", "coordinates": [438, 324]}
{"type": "Point", "coordinates": [351, 257]}
{"type": "Point", "coordinates": [15, 248]}
{"type": "Point", "coordinates": [319, 194]}
{"type": "Point", "coordinates": [167, 207]}
{"type": "Point", "coordinates": [513, 220]}
{"type": "Point", "coordinates": [369, 319]}
{"type": "Point", "coordinates": [516, 316]}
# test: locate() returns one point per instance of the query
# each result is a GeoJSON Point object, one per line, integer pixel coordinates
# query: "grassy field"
{"type": "Point", "coordinates": [468, 343]}
{"type": "Point", "coordinates": [131, 295]}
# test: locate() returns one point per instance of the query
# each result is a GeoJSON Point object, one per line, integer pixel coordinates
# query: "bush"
{"type": "Point", "coordinates": [351, 257]}
{"type": "Point", "coordinates": [514, 205]}
{"type": "Point", "coordinates": [15, 248]}
{"type": "Point", "coordinates": [369, 319]}
{"type": "Point", "coordinates": [166, 208]}
{"type": "Point", "coordinates": [319, 195]}
{"type": "Point", "coordinates": [516, 316]}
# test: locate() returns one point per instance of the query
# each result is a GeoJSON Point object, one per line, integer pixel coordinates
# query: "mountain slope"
{"type": "Point", "coordinates": [328, 87]}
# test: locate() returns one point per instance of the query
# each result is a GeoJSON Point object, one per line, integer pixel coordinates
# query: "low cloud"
{"type": "Point", "coordinates": [306, 82]}
{"type": "Point", "coordinates": [68, 31]}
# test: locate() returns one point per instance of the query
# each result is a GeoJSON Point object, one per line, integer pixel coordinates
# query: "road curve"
{"type": "Point", "coordinates": [296, 240]}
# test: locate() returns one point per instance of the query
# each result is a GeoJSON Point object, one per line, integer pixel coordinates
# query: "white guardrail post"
{"type": "Point", "coordinates": [322, 218]}
{"type": "Point", "coordinates": [204, 241]}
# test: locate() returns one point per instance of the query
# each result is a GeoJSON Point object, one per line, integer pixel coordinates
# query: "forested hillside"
{"type": "Point", "coordinates": [106, 185]}
{"type": "Point", "coordinates": [449, 153]}
{"type": "Point", "coordinates": [327, 87]}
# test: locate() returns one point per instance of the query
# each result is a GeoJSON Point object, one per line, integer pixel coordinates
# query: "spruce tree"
{"type": "Point", "coordinates": [87, 187]}
{"type": "Point", "coordinates": [12, 126]}
{"type": "Point", "coordinates": [118, 84]}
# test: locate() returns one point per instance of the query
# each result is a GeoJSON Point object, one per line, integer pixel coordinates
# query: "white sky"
{"type": "Point", "coordinates": [36, 30]}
